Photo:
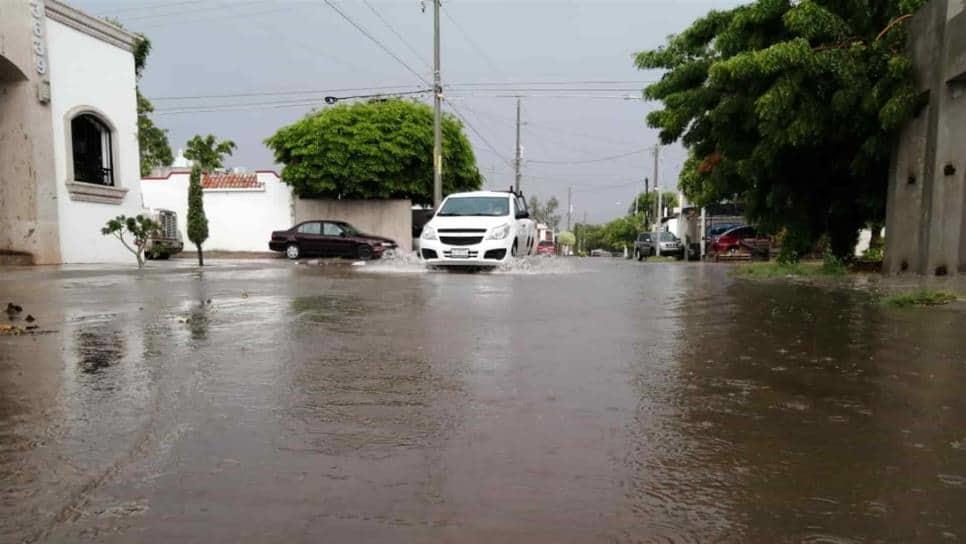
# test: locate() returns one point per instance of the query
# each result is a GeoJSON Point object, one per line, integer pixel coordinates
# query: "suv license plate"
{"type": "Point", "coordinates": [461, 253]}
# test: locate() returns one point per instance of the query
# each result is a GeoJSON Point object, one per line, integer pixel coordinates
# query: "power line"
{"type": "Point", "coordinates": [477, 132]}
{"type": "Point", "coordinates": [220, 17]}
{"type": "Point", "coordinates": [279, 93]}
{"type": "Point", "coordinates": [155, 6]}
{"type": "Point", "coordinates": [599, 159]}
{"type": "Point", "coordinates": [376, 41]}
{"type": "Point", "coordinates": [279, 103]}
{"type": "Point", "coordinates": [397, 34]}
{"type": "Point", "coordinates": [182, 13]}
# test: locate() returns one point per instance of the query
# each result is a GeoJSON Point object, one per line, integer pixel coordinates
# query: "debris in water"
{"type": "Point", "coordinates": [30, 318]}
{"type": "Point", "coordinates": [11, 330]}
{"type": "Point", "coordinates": [359, 263]}
{"type": "Point", "coordinates": [13, 309]}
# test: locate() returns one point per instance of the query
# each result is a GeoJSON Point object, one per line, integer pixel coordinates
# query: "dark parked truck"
{"type": "Point", "coordinates": [324, 238]}
{"type": "Point", "coordinates": [167, 240]}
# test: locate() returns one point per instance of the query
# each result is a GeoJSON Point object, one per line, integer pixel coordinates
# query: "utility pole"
{"type": "Point", "coordinates": [437, 114]}
{"type": "Point", "coordinates": [570, 206]}
{"type": "Point", "coordinates": [518, 155]}
{"type": "Point", "coordinates": [657, 187]}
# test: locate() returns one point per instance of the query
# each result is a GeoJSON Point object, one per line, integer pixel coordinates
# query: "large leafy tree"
{"type": "Point", "coordinates": [207, 152]}
{"type": "Point", "coordinates": [646, 205]}
{"type": "Point", "coordinates": [545, 213]}
{"type": "Point", "coordinates": [789, 106]}
{"type": "Point", "coordinates": [152, 140]}
{"type": "Point", "coordinates": [375, 149]}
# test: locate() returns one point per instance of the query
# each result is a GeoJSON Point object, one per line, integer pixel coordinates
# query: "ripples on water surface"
{"type": "Point", "coordinates": [556, 400]}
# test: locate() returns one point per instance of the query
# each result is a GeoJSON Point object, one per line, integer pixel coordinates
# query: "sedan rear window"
{"type": "Point", "coordinates": [489, 206]}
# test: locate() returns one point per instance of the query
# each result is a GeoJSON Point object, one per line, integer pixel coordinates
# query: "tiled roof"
{"type": "Point", "coordinates": [229, 180]}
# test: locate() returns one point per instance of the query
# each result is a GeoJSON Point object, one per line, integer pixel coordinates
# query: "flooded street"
{"type": "Point", "coordinates": [563, 401]}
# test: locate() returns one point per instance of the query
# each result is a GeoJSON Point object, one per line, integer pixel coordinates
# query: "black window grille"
{"type": "Point", "coordinates": [92, 150]}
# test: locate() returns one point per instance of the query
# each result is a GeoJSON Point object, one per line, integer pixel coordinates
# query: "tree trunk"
{"type": "Point", "coordinates": [201, 255]}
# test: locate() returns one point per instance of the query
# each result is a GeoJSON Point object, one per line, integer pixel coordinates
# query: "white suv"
{"type": "Point", "coordinates": [481, 228]}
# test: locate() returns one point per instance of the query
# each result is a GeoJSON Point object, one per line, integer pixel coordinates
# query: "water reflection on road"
{"type": "Point", "coordinates": [556, 401]}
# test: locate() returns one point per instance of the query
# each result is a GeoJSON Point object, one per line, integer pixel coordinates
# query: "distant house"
{"type": "Point", "coordinates": [69, 156]}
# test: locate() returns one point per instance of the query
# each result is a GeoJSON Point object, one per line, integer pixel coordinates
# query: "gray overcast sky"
{"type": "Point", "coordinates": [220, 47]}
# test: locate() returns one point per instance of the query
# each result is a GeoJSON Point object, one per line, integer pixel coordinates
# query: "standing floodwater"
{"type": "Point", "coordinates": [587, 401]}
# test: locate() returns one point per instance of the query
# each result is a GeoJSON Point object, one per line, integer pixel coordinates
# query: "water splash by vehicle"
{"type": "Point", "coordinates": [410, 263]}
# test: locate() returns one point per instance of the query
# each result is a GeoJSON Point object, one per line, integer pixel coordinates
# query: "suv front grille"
{"type": "Point", "coordinates": [460, 240]}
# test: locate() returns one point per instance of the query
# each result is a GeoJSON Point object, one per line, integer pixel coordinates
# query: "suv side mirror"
{"type": "Point", "coordinates": [523, 215]}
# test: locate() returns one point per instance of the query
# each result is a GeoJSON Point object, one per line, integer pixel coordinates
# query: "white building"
{"type": "Point", "coordinates": [243, 208]}
{"type": "Point", "coordinates": [69, 156]}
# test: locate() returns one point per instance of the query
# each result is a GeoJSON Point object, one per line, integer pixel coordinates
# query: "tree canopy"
{"type": "Point", "coordinates": [789, 106]}
{"type": "Point", "coordinates": [207, 152]}
{"type": "Point", "coordinates": [375, 149]}
{"type": "Point", "coordinates": [545, 213]}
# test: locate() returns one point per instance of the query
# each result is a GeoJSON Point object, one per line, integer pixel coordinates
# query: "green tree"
{"type": "Point", "coordinates": [140, 228]}
{"type": "Point", "coordinates": [789, 106]}
{"type": "Point", "coordinates": [375, 149]}
{"type": "Point", "coordinates": [646, 205]}
{"type": "Point", "coordinates": [152, 141]}
{"type": "Point", "coordinates": [566, 238]}
{"type": "Point", "coordinates": [207, 152]}
{"type": "Point", "coordinates": [545, 213]}
{"type": "Point", "coordinates": [197, 222]}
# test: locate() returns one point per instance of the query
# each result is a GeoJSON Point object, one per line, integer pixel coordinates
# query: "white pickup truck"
{"type": "Point", "coordinates": [479, 228]}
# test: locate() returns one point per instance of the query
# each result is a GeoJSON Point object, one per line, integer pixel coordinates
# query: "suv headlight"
{"type": "Point", "coordinates": [499, 233]}
{"type": "Point", "coordinates": [429, 233]}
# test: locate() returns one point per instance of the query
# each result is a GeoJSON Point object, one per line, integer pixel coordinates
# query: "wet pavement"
{"type": "Point", "coordinates": [562, 401]}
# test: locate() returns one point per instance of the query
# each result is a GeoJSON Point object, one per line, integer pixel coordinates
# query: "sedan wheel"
{"type": "Point", "coordinates": [364, 252]}
{"type": "Point", "coordinates": [292, 251]}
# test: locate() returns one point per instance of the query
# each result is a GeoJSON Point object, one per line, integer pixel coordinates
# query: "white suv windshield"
{"type": "Point", "coordinates": [489, 206]}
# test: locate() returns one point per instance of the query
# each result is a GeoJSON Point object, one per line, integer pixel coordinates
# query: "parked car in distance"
{"type": "Point", "coordinates": [478, 229]}
{"type": "Point", "coordinates": [716, 230]}
{"type": "Point", "coordinates": [730, 240]}
{"type": "Point", "coordinates": [600, 253]}
{"type": "Point", "coordinates": [166, 241]}
{"type": "Point", "coordinates": [546, 248]}
{"type": "Point", "coordinates": [671, 245]}
{"type": "Point", "coordinates": [325, 238]}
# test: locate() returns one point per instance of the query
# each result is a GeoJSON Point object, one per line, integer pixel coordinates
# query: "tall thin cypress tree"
{"type": "Point", "coordinates": [197, 222]}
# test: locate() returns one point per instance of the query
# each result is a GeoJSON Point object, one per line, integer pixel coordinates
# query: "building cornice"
{"type": "Point", "coordinates": [92, 26]}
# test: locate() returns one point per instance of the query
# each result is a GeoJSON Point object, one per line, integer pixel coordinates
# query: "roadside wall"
{"type": "Point", "coordinates": [925, 219]}
{"type": "Point", "coordinates": [390, 218]}
{"type": "Point", "coordinates": [238, 219]}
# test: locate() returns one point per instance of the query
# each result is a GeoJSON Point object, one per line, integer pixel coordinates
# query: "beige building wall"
{"type": "Point", "coordinates": [28, 202]}
{"type": "Point", "coordinates": [389, 218]}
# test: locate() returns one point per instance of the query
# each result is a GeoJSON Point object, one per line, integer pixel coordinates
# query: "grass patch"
{"type": "Point", "coordinates": [922, 297]}
{"type": "Point", "coordinates": [783, 270]}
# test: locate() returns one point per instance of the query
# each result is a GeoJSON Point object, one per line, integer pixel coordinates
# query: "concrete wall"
{"type": "Point", "coordinates": [238, 219]}
{"type": "Point", "coordinates": [28, 206]}
{"type": "Point", "coordinates": [390, 218]}
{"type": "Point", "coordinates": [90, 75]}
{"type": "Point", "coordinates": [926, 210]}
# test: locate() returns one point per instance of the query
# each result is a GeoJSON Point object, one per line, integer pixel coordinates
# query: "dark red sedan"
{"type": "Point", "coordinates": [329, 239]}
{"type": "Point", "coordinates": [546, 248]}
{"type": "Point", "coordinates": [730, 241]}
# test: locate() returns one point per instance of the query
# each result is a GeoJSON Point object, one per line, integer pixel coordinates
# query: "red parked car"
{"type": "Point", "coordinates": [546, 248]}
{"type": "Point", "coordinates": [730, 240]}
{"type": "Point", "coordinates": [329, 239]}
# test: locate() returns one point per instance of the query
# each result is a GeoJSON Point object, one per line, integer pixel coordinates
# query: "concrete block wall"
{"type": "Point", "coordinates": [390, 218]}
{"type": "Point", "coordinates": [926, 209]}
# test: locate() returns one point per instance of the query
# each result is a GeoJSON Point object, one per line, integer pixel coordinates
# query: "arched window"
{"type": "Point", "coordinates": [91, 145]}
